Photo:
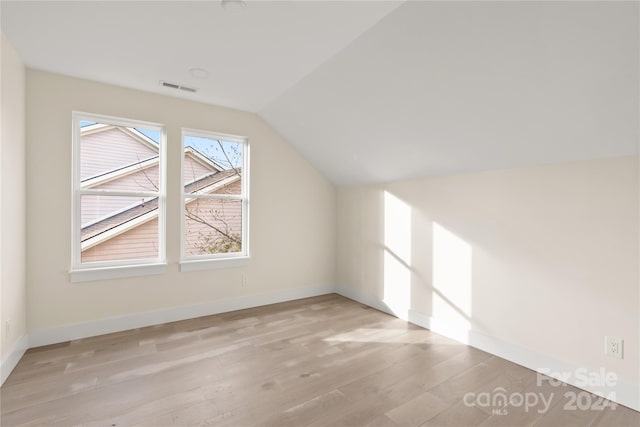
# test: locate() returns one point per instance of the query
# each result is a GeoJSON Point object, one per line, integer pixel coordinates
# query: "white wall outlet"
{"type": "Point", "coordinates": [7, 327]}
{"type": "Point", "coordinates": [613, 347]}
{"type": "Point", "coordinates": [244, 280]}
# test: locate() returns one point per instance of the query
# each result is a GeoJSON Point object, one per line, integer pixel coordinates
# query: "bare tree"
{"type": "Point", "coordinates": [219, 235]}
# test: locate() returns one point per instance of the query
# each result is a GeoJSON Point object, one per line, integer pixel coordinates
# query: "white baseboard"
{"type": "Point", "coordinates": [140, 320]}
{"type": "Point", "coordinates": [626, 394]}
{"type": "Point", "coordinates": [12, 359]}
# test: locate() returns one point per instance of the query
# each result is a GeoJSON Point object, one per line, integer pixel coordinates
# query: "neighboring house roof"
{"type": "Point", "coordinates": [107, 176]}
{"type": "Point", "coordinates": [209, 179]}
{"type": "Point", "coordinates": [118, 223]}
{"type": "Point", "coordinates": [133, 132]}
{"type": "Point", "coordinates": [147, 210]}
{"type": "Point", "coordinates": [207, 184]}
{"type": "Point", "coordinates": [198, 156]}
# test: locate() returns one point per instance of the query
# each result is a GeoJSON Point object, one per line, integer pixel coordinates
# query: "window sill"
{"type": "Point", "coordinates": [209, 264]}
{"type": "Point", "coordinates": [105, 273]}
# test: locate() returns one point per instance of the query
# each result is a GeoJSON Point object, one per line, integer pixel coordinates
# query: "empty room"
{"type": "Point", "coordinates": [320, 213]}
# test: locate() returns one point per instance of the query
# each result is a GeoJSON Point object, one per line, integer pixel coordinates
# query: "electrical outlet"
{"type": "Point", "coordinates": [244, 280]}
{"type": "Point", "coordinates": [7, 327]}
{"type": "Point", "coordinates": [613, 347]}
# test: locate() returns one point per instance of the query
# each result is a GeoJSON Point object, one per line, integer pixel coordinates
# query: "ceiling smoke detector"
{"type": "Point", "coordinates": [199, 73]}
{"type": "Point", "coordinates": [233, 5]}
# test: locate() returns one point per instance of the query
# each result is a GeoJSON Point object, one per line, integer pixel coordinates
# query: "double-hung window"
{"type": "Point", "coordinates": [118, 218]}
{"type": "Point", "coordinates": [215, 203]}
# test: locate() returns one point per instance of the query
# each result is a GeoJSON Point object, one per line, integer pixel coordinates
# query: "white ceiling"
{"type": "Point", "coordinates": [441, 88]}
{"type": "Point", "coordinates": [373, 91]}
{"type": "Point", "coordinates": [252, 54]}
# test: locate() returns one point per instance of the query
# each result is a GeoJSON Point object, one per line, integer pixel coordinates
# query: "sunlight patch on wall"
{"type": "Point", "coordinates": [451, 282]}
{"type": "Point", "coordinates": [397, 255]}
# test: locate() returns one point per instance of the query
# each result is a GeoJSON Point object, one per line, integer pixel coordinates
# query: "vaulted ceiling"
{"type": "Point", "coordinates": [372, 91]}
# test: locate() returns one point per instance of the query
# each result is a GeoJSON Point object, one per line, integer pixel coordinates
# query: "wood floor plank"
{"type": "Point", "coordinates": [458, 414]}
{"type": "Point", "coordinates": [621, 416]}
{"type": "Point", "coordinates": [418, 410]}
{"type": "Point", "coordinates": [322, 361]}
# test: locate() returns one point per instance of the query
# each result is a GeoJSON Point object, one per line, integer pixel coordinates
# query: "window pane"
{"type": "Point", "coordinates": [213, 226]}
{"type": "Point", "coordinates": [118, 228]}
{"type": "Point", "coordinates": [212, 166]}
{"type": "Point", "coordinates": [118, 157]}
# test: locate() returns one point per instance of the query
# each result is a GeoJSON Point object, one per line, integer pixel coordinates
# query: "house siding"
{"type": "Point", "coordinates": [142, 241]}
{"type": "Point", "coordinates": [96, 207]}
{"type": "Point", "coordinates": [101, 152]}
{"type": "Point", "coordinates": [193, 169]}
{"type": "Point", "coordinates": [139, 242]}
{"type": "Point", "coordinates": [141, 180]}
{"type": "Point", "coordinates": [233, 188]}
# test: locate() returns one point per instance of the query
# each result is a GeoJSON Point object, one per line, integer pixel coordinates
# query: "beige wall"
{"type": "Point", "coordinates": [545, 258]}
{"type": "Point", "coordinates": [12, 200]}
{"type": "Point", "coordinates": [292, 208]}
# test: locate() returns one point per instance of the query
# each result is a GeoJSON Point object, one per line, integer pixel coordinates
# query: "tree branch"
{"type": "Point", "coordinates": [202, 221]}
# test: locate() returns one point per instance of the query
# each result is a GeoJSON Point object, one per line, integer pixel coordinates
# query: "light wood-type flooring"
{"type": "Point", "coordinates": [322, 361]}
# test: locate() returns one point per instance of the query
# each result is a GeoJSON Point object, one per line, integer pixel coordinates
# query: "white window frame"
{"type": "Point", "coordinates": [117, 268]}
{"type": "Point", "coordinates": [222, 260]}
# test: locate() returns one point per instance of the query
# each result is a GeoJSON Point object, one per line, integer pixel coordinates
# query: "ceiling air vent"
{"type": "Point", "coordinates": [177, 86]}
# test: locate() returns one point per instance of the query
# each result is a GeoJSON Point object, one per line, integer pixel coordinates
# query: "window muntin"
{"type": "Point", "coordinates": [214, 196]}
{"type": "Point", "coordinates": [118, 192]}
